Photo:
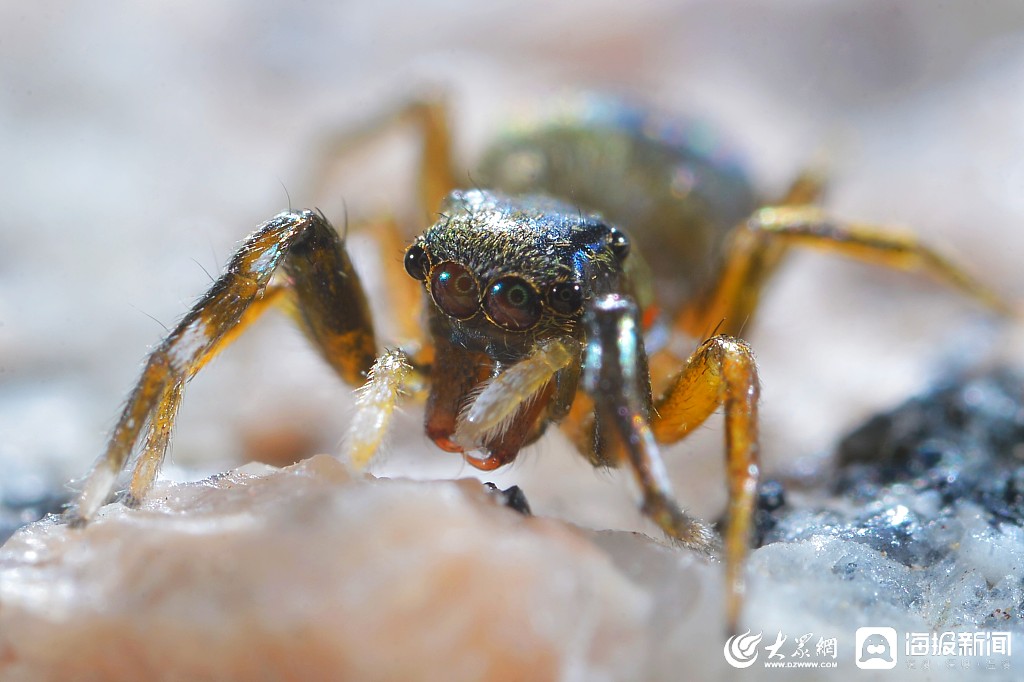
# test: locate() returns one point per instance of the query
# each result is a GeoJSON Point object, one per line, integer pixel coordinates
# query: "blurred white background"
{"type": "Point", "coordinates": [141, 141]}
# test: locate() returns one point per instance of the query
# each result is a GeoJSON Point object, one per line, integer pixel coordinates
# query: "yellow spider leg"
{"type": "Point", "coordinates": [721, 372]}
{"type": "Point", "coordinates": [757, 246]}
{"type": "Point", "coordinates": [429, 117]}
{"type": "Point", "coordinates": [728, 307]}
{"type": "Point", "coordinates": [403, 292]}
{"type": "Point", "coordinates": [808, 225]}
{"type": "Point", "coordinates": [332, 308]}
{"type": "Point", "coordinates": [273, 295]}
{"type": "Point", "coordinates": [161, 424]}
{"type": "Point", "coordinates": [158, 440]}
{"type": "Point", "coordinates": [806, 188]}
{"type": "Point", "coordinates": [750, 261]}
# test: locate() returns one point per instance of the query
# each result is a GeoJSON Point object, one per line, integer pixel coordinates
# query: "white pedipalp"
{"type": "Point", "coordinates": [490, 412]}
{"type": "Point", "coordinates": [374, 408]}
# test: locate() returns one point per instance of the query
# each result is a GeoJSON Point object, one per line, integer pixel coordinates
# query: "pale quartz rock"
{"type": "Point", "coordinates": [311, 572]}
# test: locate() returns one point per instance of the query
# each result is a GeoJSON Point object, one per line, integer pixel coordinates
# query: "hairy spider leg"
{"type": "Point", "coordinates": [329, 304]}
{"type": "Point", "coordinates": [721, 372]}
{"type": "Point", "coordinates": [404, 294]}
{"type": "Point", "coordinates": [158, 440]}
{"type": "Point", "coordinates": [161, 423]}
{"type": "Point", "coordinates": [756, 247]}
{"type": "Point", "coordinates": [391, 374]}
{"type": "Point", "coordinates": [429, 117]}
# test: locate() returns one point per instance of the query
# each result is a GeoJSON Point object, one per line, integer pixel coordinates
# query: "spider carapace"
{"type": "Point", "coordinates": [593, 259]}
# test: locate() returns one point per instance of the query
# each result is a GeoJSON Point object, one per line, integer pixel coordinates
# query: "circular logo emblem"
{"type": "Point", "coordinates": [741, 650]}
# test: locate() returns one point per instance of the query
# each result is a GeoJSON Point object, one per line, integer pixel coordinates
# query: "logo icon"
{"type": "Point", "coordinates": [741, 650]}
{"type": "Point", "coordinates": [876, 648]}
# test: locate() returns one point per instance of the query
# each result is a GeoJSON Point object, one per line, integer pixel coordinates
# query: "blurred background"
{"type": "Point", "coordinates": [141, 141]}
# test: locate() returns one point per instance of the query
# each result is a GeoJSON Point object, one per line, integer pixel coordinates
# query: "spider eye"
{"type": "Point", "coordinates": [619, 243]}
{"type": "Point", "coordinates": [417, 262]}
{"type": "Point", "coordinates": [565, 298]}
{"type": "Point", "coordinates": [513, 303]}
{"type": "Point", "coordinates": [454, 289]}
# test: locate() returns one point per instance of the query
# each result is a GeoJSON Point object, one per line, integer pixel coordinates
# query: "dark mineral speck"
{"type": "Point", "coordinates": [513, 498]}
{"type": "Point", "coordinates": [771, 498]}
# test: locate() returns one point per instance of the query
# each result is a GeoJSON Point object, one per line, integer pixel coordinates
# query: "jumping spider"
{"type": "Point", "coordinates": [540, 307]}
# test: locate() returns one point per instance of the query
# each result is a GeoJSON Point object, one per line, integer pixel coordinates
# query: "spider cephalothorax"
{"type": "Point", "coordinates": [523, 265]}
{"type": "Point", "coordinates": [509, 279]}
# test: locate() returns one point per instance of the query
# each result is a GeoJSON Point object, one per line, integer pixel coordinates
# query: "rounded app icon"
{"type": "Point", "coordinates": [876, 648]}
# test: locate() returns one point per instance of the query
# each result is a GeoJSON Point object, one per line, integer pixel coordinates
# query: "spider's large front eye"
{"type": "Point", "coordinates": [513, 303]}
{"type": "Point", "coordinates": [417, 262]}
{"type": "Point", "coordinates": [454, 289]}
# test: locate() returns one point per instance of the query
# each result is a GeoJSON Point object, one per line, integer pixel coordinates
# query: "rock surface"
{"type": "Point", "coordinates": [308, 573]}
{"type": "Point", "coordinates": [919, 530]}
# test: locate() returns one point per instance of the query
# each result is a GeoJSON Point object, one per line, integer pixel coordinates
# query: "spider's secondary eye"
{"type": "Point", "coordinates": [619, 243]}
{"type": "Point", "coordinates": [454, 289]}
{"type": "Point", "coordinates": [565, 298]}
{"type": "Point", "coordinates": [513, 303]}
{"type": "Point", "coordinates": [417, 262]}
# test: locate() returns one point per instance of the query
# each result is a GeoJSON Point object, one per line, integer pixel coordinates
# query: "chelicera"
{"type": "Point", "coordinates": [542, 288]}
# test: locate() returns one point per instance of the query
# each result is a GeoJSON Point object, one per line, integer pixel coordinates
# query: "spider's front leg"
{"type": "Point", "coordinates": [720, 372]}
{"type": "Point", "coordinates": [324, 296]}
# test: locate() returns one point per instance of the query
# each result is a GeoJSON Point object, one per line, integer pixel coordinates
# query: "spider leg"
{"type": "Point", "coordinates": [328, 302]}
{"type": "Point", "coordinates": [721, 372]}
{"type": "Point", "coordinates": [161, 423]}
{"type": "Point", "coordinates": [403, 292]}
{"type": "Point", "coordinates": [155, 448]}
{"type": "Point", "coordinates": [391, 372]}
{"type": "Point", "coordinates": [429, 117]}
{"type": "Point", "coordinates": [806, 188]}
{"type": "Point", "coordinates": [756, 248]}
{"type": "Point", "coordinates": [615, 378]}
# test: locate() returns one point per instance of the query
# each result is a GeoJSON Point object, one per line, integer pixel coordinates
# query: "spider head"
{"type": "Point", "coordinates": [503, 273]}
